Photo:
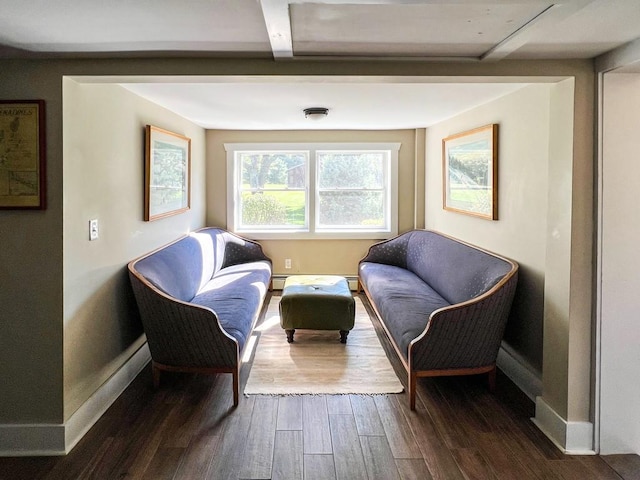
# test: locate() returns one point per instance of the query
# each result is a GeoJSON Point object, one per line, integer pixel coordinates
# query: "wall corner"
{"type": "Point", "coordinates": [572, 438]}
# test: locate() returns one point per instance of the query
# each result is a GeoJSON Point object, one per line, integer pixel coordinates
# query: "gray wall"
{"type": "Point", "coordinates": [31, 292]}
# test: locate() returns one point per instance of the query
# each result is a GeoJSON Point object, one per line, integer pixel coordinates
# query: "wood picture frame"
{"type": "Point", "coordinates": [22, 155]}
{"type": "Point", "coordinates": [470, 172]}
{"type": "Point", "coordinates": [167, 173]}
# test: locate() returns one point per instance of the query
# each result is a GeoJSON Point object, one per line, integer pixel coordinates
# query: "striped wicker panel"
{"type": "Point", "coordinates": [182, 334]}
{"type": "Point", "coordinates": [390, 252]}
{"type": "Point", "coordinates": [466, 335]}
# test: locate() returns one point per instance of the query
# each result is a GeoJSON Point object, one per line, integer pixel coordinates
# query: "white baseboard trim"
{"type": "Point", "coordinates": [21, 440]}
{"type": "Point", "coordinates": [90, 412]}
{"type": "Point", "coordinates": [572, 438]}
{"type": "Point", "coordinates": [520, 372]}
{"type": "Point", "coordinates": [278, 282]}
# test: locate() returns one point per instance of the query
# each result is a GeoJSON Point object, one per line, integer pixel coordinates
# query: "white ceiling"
{"type": "Point", "coordinates": [419, 30]}
{"type": "Point", "coordinates": [357, 104]}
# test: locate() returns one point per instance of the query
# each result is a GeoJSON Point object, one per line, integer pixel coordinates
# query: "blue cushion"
{"type": "Point", "coordinates": [403, 300]}
{"type": "Point", "coordinates": [234, 294]}
{"type": "Point", "coordinates": [176, 269]}
{"type": "Point", "coordinates": [456, 271]}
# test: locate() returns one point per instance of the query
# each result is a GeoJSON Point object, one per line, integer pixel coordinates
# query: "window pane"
{"type": "Point", "coordinates": [349, 208]}
{"type": "Point", "coordinates": [273, 208]}
{"type": "Point", "coordinates": [273, 170]}
{"type": "Point", "coordinates": [273, 189]}
{"type": "Point", "coordinates": [351, 169]}
{"type": "Point", "coordinates": [313, 190]}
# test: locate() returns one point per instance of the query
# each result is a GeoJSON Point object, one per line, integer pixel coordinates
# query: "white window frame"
{"type": "Point", "coordinates": [311, 232]}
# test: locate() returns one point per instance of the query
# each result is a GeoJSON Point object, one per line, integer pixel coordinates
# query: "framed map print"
{"type": "Point", "coordinates": [22, 155]}
{"type": "Point", "coordinates": [167, 173]}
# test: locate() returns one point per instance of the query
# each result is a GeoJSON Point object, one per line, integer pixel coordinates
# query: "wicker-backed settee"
{"type": "Point", "coordinates": [199, 299]}
{"type": "Point", "coordinates": [443, 303]}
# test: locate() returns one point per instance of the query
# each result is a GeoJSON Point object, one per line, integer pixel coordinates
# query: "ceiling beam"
{"type": "Point", "coordinates": [278, 22]}
{"type": "Point", "coordinates": [553, 14]}
{"type": "Point", "coordinates": [422, 2]}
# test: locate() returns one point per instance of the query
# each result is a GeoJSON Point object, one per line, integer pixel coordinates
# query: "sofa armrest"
{"type": "Point", "coordinates": [181, 333]}
{"type": "Point", "coordinates": [389, 252]}
{"type": "Point", "coordinates": [465, 335]}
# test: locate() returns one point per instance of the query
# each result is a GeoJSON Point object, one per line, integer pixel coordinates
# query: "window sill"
{"type": "Point", "coordinates": [260, 235]}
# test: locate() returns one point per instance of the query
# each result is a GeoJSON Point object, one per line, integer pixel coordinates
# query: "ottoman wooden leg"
{"type": "Point", "coordinates": [290, 333]}
{"type": "Point", "coordinates": [343, 336]}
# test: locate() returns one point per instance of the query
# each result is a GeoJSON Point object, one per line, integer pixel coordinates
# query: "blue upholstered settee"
{"type": "Point", "coordinates": [443, 303]}
{"type": "Point", "coordinates": [199, 298]}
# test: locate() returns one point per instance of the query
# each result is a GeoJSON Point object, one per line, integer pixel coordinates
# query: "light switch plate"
{"type": "Point", "coordinates": [93, 229]}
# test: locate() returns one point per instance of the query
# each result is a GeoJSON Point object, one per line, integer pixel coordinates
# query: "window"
{"type": "Point", "coordinates": [313, 190]}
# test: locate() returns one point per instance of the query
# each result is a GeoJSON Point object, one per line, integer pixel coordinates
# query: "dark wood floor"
{"type": "Point", "coordinates": [187, 429]}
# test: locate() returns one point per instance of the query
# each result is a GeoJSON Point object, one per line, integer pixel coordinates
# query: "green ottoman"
{"type": "Point", "coordinates": [317, 302]}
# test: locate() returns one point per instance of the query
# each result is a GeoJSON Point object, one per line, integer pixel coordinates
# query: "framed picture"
{"type": "Point", "coordinates": [167, 173]}
{"type": "Point", "coordinates": [470, 172]}
{"type": "Point", "coordinates": [22, 155]}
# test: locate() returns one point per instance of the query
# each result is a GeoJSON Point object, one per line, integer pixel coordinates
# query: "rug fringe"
{"type": "Point", "coordinates": [322, 394]}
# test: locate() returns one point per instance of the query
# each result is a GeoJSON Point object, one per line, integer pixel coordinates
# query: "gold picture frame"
{"type": "Point", "coordinates": [22, 154]}
{"type": "Point", "coordinates": [470, 172]}
{"type": "Point", "coordinates": [167, 173]}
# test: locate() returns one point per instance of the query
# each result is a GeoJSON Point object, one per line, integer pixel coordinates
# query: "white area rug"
{"type": "Point", "coordinates": [317, 363]}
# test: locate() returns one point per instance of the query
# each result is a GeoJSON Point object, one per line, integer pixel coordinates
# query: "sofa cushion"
{"type": "Point", "coordinates": [176, 269]}
{"type": "Point", "coordinates": [456, 271]}
{"type": "Point", "coordinates": [235, 294]}
{"type": "Point", "coordinates": [213, 251]}
{"type": "Point", "coordinates": [403, 300]}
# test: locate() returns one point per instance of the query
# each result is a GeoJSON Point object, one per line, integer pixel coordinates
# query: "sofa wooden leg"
{"type": "Point", "coordinates": [412, 390]}
{"type": "Point", "coordinates": [236, 386]}
{"type": "Point", "coordinates": [492, 379]}
{"type": "Point", "coordinates": [155, 375]}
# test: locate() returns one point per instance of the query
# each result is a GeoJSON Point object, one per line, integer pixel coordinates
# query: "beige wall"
{"type": "Point", "coordinates": [338, 257]}
{"type": "Point", "coordinates": [620, 337]}
{"type": "Point", "coordinates": [34, 293]}
{"type": "Point", "coordinates": [519, 233]}
{"type": "Point", "coordinates": [545, 223]}
{"type": "Point", "coordinates": [558, 241]}
{"type": "Point", "coordinates": [103, 133]}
